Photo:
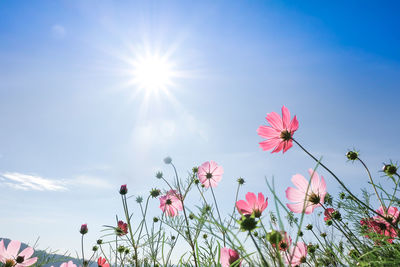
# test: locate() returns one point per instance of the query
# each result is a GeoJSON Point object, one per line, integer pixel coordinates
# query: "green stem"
{"type": "Point", "coordinates": [219, 215]}
{"type": "Point", "coordinates": [83, 254]}
{"type": "Point", "coordinates": [373, 184]}
{"type": "Point", "coordinates": [186, 219]}
{"type": "Point", "coordinates": [259, 250]}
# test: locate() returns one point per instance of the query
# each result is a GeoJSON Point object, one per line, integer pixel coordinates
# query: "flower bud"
{"type": "Point", "coordinates": [121, 249]}
{"type": "Point", "coordinates": [323, 235]}
{"type": "Point", "coordinates": [191, 216]}
{"type": "Point", "coordinates": [95, 248]}
{"type": "Point", "coordinates": [139, 199]}
{"type": "Point", "coordinates": [84, 229]}
{"type": "Point", "coordinates": [240, 180]}
{"type": "Point", "coordinates": [155, 219]}
{"type": "Point", "coordinates": [195, 169]}
{"type": "Point", "coordinates": [309, 227]}
{"type": "Point", "coordinates": [123, 190]}
{"type": "Point", "coordinates": [155, 192]}
{"type": "Point", "coordinates": [389, 169]}
{"type": "Point", "coordinates": [247, 223]}
{"type": "Point", "coordinates": [159, 175]}
{"type": "Point", "coordinates": [196, 181]}
{"type": "Point", "coordinates": [205, 236]}
{"type": "Point", "coordinates": [352, 155]}
{"type": "Point", "coordinates": [168, 160]}
{"type": "Point", "coordinates": [329, 222]}
{"type": "Point", "coordinates": [173, 237]}
{"type": "Point", "coordinates": [99, 242]}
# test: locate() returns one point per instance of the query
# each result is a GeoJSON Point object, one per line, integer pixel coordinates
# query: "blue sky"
{"type": "Point", "coordinates": [70, 117]}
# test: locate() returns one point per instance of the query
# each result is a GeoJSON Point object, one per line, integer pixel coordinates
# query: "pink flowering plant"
{"type": "Point", "coordinates": [306, 227]}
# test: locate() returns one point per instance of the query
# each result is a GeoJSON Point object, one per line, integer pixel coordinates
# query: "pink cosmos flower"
{"type": "Point", "coordinates": [380, 226]}
{"type": "Point", "coordinates": [279, 134]}
{"type": "Point", "coordinates": [171, 203]}
{"type": "Point", "coordinates": [229, 256]}
{"type": "Point", "coordinates": [11, 257]}
{"type": "Point", "coordinates": [122, 228]}
{"type": "Point", "coordinates": [101, 262]}
{"type": "Point", "coordinates": [210, 173]}
{"type": "Point", "coordinates": [253, 205]}
{"type": "Point", "coordinates": [310, 199]}
{"type": "Point", "coordinates": [299, 253]}
{"type": "Point", "coordinates": [328, 214]}
{"type": "Point", "coordinates": [68, 264]}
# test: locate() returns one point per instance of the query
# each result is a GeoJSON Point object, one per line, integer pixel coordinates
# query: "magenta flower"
{"type": "Point", "coordinates": [279, 134]}
{"type": "Point", "coordinates": [84, 229]}
{"type": "Point", "coordinates": [229, 256]}
{"type": "Point", "coordinates": [68, 264]}
{"type": "Point", "coordinates": [380, 226]}
{"type": "Point", "coordinates": [171, 203]}
{"type": "Point", "coordinates": [123, 189]}
{"type": "Point", "coordinates": [101, 262]}
{"type": "Point", "coordinates": [210, 173]}
{"type": "Point", "coordinates": [121, 229]}
{"type": "Point", "coordinates": [328, 214]}
{"type": "Point", "coordinates": [253, 205]}
{"type": "Point", "coordinates": [299, 253]}
{"type": "Point", "coordinates": [11, 257]}
{"type": "Point", "coordinates": [303, 198]}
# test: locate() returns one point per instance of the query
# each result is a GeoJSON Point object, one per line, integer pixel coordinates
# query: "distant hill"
{"type": "Point", "coordinates": [48, 258]}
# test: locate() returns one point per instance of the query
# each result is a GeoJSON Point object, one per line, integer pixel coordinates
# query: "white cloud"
{"type": "Point", "coordinates": [58, 31]}
{"type": "Point", "coordinates": [31, 182]}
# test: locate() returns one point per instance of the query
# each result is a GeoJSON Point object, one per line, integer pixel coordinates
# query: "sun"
{"type": "Point", "coordinates": [152, 73]}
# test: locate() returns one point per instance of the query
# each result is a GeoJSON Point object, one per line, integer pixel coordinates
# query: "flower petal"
{"type": "Point", "coordinates": [294, 125]}
{"type": "Point", "coordinates": [275, 120]}
{"type": "Point", "coordinates": [295, 207]}
{"type": "Point", "coordinates": [288, 145]}
{"type": "Point", "coordinates": [243, 207]}
{"type": "Point", "coordinates": [27, 252]}
{"type": "Point", "coordinates": [268, 132]}
{"type": "Point", "coordinates": [300, 182]}
{"type": "Point", "coordinates": [270, 143]}
{"type": "Point", "coordinates": [13, 248]}
{"type": "Point", "coordinates": [285, 117]}
{"type": "Point", "coordinates": [279, 147]}
{"type": "Point", "coordinates": [295, 195]}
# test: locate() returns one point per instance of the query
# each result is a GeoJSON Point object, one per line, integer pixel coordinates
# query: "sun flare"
{"type": "Point", "coordinates": [153, 73]}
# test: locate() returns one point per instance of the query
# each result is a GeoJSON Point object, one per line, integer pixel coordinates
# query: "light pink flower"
{"type": "Point", "coordinates": [279, 134]}
{"type": "Point", "coordinates": [252, 205]}
{"type": "Point", "coordinates": [310, 199]}
{"type": "Point", "coordinates": [171, 203]}
{"type": "Point", "coordinates": [299, 253]}
{"type": "Point", "coordinates": [12, 257]}
{"type": "Point", "coordinates": [68, 264]}
{"type": "Point", "coordinates": [210, 173]}
{"type": "Point", "coordinates": [229, 256]}
{"type": "Point", "coordinates": [380, 226]}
